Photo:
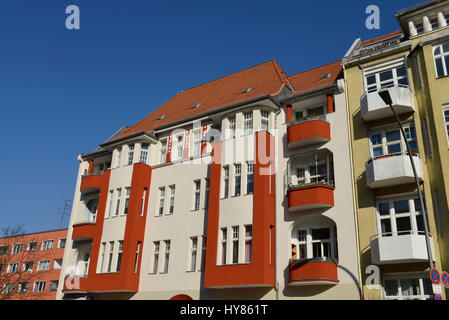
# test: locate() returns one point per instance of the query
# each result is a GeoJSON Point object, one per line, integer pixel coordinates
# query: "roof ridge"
{"type": "Point", "coordinates": [308, 70]}
{"type": "Point", "coordinates": [228, 75]}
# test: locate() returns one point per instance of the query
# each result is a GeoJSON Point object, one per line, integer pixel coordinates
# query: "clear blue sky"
{"type": "Point", "coordinates": [62, 92]}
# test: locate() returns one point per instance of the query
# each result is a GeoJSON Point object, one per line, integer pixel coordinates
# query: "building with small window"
{"type": "Point", "coordinates": [412, 64]}
{"type": "Point", "coordinates": [33, 265]}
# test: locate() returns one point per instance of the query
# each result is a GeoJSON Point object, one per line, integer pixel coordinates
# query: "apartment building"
{"type": "Point", "coordinates": [239, 188]}
{"type": "Point", "coordinates": [30, 265]}
{"type": "Point", "coordinates": [413, 64]}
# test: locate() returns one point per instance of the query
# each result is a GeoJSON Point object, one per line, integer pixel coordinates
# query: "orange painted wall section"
{"type": "Point", "coordinates": [126, 279]}
{"type": "Point", "coordinates": [311, 195]}
{"type": "Point", "coordinates": [308, 130]}
{"type": "Point", "coordinates": [47, 276]}
{"type": "Point", "coordinates": [94, 181]}
{"type": "Point", "coordinates": [83, 230]}
{"type": "Point", "coordinates": [313, 271]}
{"type": "Point", "coordinates": [261, 271]}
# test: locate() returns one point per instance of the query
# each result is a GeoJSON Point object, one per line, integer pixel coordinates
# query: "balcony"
{"type": "Point", "coordinates": [310, 197]}
{"type": "Point", "coordinates": [84, 230]}
{"type": "Point", "coordinates": [308, 132]}
{"type": "Point", "coordinates": [392, 170]}
{"type": "Point", "coordinates": [405, 248]}
{"type": "Point", "coordinates": [91, 181]}
{"type": "Point", "coordinates": [373, 107]}
{"type": "Point", "coordinates": [315, 271]}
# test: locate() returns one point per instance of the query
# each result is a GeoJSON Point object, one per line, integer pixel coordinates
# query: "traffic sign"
{"type": "Point", "coordinates": [435, 276]}
{"type": "Point", "coordinates": [445, 279]}
{"type": "Point", "coordinates": [438, 297]}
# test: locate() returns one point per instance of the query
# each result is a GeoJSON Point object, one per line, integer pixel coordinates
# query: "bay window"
{"type": "Point", "coordinates": [392, 77]}
{"type": "Point", "coordinates": [248, 122]}
{"type": "Point", "coordinates": [311, 169]}
{"type": "Point", "coordinates": [314, 242]}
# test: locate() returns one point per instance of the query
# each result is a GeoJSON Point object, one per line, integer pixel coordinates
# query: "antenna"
{"type": "Point", "coordinates": [64, 212]}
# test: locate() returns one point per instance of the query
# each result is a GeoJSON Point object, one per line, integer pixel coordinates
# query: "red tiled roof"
{"type": "Point", "coordinates": [311, 79]}
{"type": "Point", "coordinates": [264, 79]}
{"type": "Point", "coordinates": [390, 35]}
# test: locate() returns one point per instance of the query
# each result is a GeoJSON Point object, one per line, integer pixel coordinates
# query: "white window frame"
{"type": "Point", "coordinates": [231, 122]}
{"type": "Point", "coordinates": [127, 194]}
{"type": "Point", "coordinates": [179, 146]}
{"type": "Point", "coordinates": [111, 256]}
{"type": "Point", "coordinates": [196, 195]}
{"type": "Point", "coordinates": [111, 201]}
{"type": "Point", "coordinates": [17, 248]}
{"type": "Point", "coordinates": [60, 241]}
{"type": "Point", "coordinates": [28, 266]}
{"type": "Point", "coordinates": [392, 216]}
{"type": "Point", "coordinates": [157, 250]}
{"type": "Point", "coordinates": [264, 120]}
{"type": "Point", "coordinates": [144, 196]}
{"type": "Point", "coordinates": [130, 154]}
{"type": "Point", "coordinates": [197, 142]}
{"type": "Point", "coordinates": [235, 244]}
{"type": "Point", "coordinates": [302, 239]}
{"type": "Point", "coordinates": [442, 55]}
{"type": "Point", "coordinates": [249, 239]}
{"type": "Point", "coordinates": [57, 264]}
{"type": "Point", "coordinates": [446, 120]}
{"type": "Point", "coordinates": [226, 182]}
{"type": "Point", "coordinates": [237, 177]}
{"type": "Point", "coordinates": [43, 265]}
{"type": "Point", "coordinates": [13, 267]}
{"type": "Point", "coordinates": [224, 246]}
{"type": "Point", "coordinates": [119, 256]}
{"type": "Point", "coordinates": [248, 123]}
{"type": "Point", "coordinates": [161, 203]}
{"type": "Point", "coordinates": [39, 286]}
{"type": "Point", "coordinates": [117, 202]}
{"type": "Point", "coordinates": [166, 255]}
{"type": "Point", "coordinates": [171, 203]}
{"type": "Point", "coordinates": [249, 176]}
{"type": "Point", "coordinates": [385, 144]}
{"type": "Point", "coordinates": [400, 296]}
{"type": "Point", "coordinates": [164, 145]}
{"type": "Point", "coordinates": [47, 245]}
{"type": "Point", "coordinates": [193, 253]}
{"type": "Point", "coordinates": [144, 148]}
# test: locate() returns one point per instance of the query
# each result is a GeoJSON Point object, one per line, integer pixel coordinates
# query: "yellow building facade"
{"type": "Point", "coordinates": [413, 64]}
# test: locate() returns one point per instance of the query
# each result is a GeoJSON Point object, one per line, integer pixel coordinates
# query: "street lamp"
{"type": "Point", "coordinates": [386, 97]}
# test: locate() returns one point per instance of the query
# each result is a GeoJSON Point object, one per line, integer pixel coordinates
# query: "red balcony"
{"type": "Point", "coordinates": [316, 271]}
{"type": "Point", "coordinates": [310, 197]}
{"type": "Point", "coordinates": [92, 181]}
{"type": "Point", "coordinates": [308, 132]}
{"type": "Point", "coordinates": [83, 230]}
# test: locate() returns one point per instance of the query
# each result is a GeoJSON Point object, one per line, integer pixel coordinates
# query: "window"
{"type": "Point", "coordinates": [144, 152]}
{"type": "Point", "coordinates": [171, 207]}
{"type": "Point", "coordinates": [224, 236]}
{"type": "Point", "coordinates": [179, 147]}
{"type": "Point", "coordinates": [248, 244]}
{"type": "Point", "coordinates": [119, 257]}
{"type": "Point", "coordinates": [32, 246]}
{"type": "Point", "coordinates": [111, 252]}
{"type": "Point", "coordinates": [390, 141]}
{"type": "Point", "coordinates": [226, 181]}
{"type": "Point", "coordinates": [161, 117]}
{"type": "Point", "coordinates": [441, 56]}
{"type": "Point", "coordinates": [28, 266]}
{"type": "Point", "coordinates": [206, 196]}
{"type": "Point", "coordinates": [386, 78]}
{"type": "Point", "coordinates": [119, 156]}
{"type": "Point", "coordinates": [407, 287]}
{"type": "Point", "coordinates": [419, 28]}
{"type": "Point", "coordinates": [156, 256]}
{"type": "Point", "coordinates": [39, 286]}
{"type": "Point", "coordinates": [4, 249]}
{"type": "Point", "coordinates": [193, 252]}
{"type": "Point", "coordinates": [161, 201]}
{"type": "Point", "coordinates": [103, 252]}
{"type": "Point", "coordinates": [197, 193]}
{"type": "Point", "coordinates": [248, 122]}
{"type": "Point", "coordinates": [127, 192]}
{"type": "Point", "coordinates": [143, 202]}
{"type": "Point", "coordinates": [17, 248]}
{"type": "Point", "coordinates": [130, 154]}
{"type": "Point", "coordinates": [235, 244]}
{"type": "Point", "coordinates": [309, 113]}
{"type": "Point", "coordinates": [54, 285]}
{"type": "Point", "coordinates": [23, 287]}
{"type": "Point", "coordinates": [163, 151]}
{"type": "Point", "coordinates": [8, 288]}
{"type": "Point", "coordinates": [111, 195]}
{"type": "Point", "coordinates": [434, 23]}
{"type": "Point", "coordinates": [231, 127]}
{"type": "Point", "coordinates": [13, 267]}
{"type": "Point", "coordinates": [47, 245]}
{"type": "Point", "coordinates": [167, 255]}
{"type": "Point", "coordinates": [249, 177]}
{"type": "Point", "coordinates": [265, 120]}
{"type": "Point", "coordinates": [196, 142]}
{"type": "Point", "coordinates": [43, 265]}
{"type": "Point", "coordinates": [136, 260]}
{"type": "Point", "coordinates": [57, 264]}
{"type": "Point", "coordinates": [61, 243]}
{"type": "Point", "coordinates": [399, 216]}
{"type": "Point", "coordinates": [316, 242]}
{"type": "Point", "coordinates": [237, 178]}
{"type": "Point", "coordinates": [311, 169]}
{"type": "Point", "coordinates": [446, 121]}
{"type": "Point", "coordinates": [117, 207]}
{"type": "Point", "coordinates": [203, 253]}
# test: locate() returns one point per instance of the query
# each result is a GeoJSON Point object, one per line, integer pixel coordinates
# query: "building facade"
{"type": "Point", "coordinates": [30, 265]}
{"type": "Point", "coordinates": [411, 63]}
{"type": "Point", "coordinates": [231, 190]}
{"type": "Point", "coordinates": [263, 185]}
